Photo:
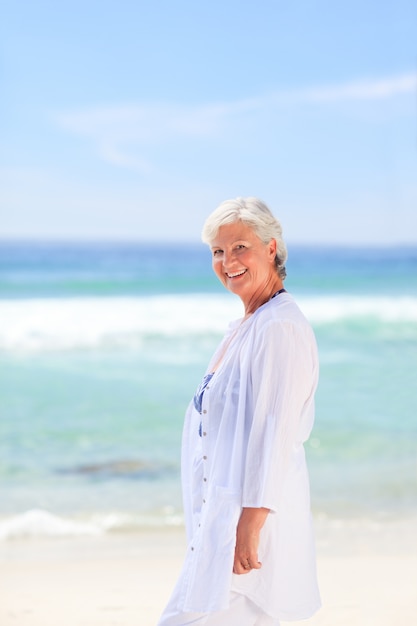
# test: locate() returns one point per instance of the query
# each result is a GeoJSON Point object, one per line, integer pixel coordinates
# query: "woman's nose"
{"type": "Point", "coordinates": [228, 259]}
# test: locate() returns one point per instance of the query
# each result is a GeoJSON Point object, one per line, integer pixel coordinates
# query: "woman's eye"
{"type": "Point", "coordinates": [217, 252]}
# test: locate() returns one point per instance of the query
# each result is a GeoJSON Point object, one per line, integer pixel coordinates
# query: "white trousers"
{"type": "Point", "coordinates": [241, 612]}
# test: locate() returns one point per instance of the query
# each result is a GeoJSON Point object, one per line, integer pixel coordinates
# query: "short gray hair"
{"type": "Point", "coordinates": [254, 213]}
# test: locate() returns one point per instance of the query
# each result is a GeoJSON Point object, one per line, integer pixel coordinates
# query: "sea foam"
{"type": "Point", "coordinates": [71, 323]}
{"type": "Point", "coordinates": [40, 523]}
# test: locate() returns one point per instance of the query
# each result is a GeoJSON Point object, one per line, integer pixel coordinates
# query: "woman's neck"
{"type": "Point", "coordinates": [258, 300]}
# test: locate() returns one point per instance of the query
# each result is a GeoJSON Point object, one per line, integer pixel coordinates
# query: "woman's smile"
{"type": "Point", "coordinates": [236, 274]}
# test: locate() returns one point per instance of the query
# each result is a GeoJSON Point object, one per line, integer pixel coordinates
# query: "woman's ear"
{"type": "Point", "coordinates": [272, 249]}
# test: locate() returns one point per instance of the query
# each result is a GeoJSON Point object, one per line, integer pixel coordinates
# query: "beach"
{"type": "Point", "coordinates": [101, 349]}
{"type": "Point", "coordinates": [367, 573]}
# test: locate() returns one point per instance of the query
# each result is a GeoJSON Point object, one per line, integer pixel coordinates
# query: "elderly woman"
{"type": "Point", "coordinates": [250, 559]}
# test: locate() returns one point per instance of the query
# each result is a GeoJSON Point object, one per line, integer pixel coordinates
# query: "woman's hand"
{"type": "Point", "coordinates": [247, 540]}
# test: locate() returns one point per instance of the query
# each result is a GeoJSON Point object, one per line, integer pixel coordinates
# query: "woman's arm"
{"type": "Point", "coordinates": [247, 539]}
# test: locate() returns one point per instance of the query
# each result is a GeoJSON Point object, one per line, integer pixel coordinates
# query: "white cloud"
{"type": "Point", "coordinates": [365, 90]}
{"type": "Point", "coordinates": [147, 123]}
{"type": "Point", "coordinates": [112, 154]}
{"type": "Point", "coordinates": [119, 131]}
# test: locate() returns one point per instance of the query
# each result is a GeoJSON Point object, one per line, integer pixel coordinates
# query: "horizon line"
{"type": "Point", "coordinates": [121, 241]}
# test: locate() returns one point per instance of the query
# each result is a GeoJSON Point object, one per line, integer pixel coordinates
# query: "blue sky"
{"type": "Point", "coordinates": [133, 120]}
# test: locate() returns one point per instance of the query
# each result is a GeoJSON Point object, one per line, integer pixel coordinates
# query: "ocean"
{"type": "Point", "coordinates": [102, 346]}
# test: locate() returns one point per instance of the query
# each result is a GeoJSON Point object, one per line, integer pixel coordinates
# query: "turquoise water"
{"type": "Point", "coordinates": [102, 346]}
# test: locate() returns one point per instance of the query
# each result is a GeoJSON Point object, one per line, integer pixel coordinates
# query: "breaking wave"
{"type": "Point", "coordinates": [73, 323]}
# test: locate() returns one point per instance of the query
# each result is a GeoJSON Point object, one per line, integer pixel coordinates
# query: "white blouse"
{"type": "Point", "coordinates": [257, 411]}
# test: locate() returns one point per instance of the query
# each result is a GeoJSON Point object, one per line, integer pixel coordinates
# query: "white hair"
{"type": "Point", "coordinates": [254, 213]}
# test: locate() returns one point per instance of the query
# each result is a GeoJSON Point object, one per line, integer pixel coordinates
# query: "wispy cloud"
{"type": "Point", "coordinates": [119, 131]}
{"type": "Point", "coordinates": [148, 122]}
{"type": "Point", "coordinates": [112, 154]}
{"type": "Point", "coordinates": [364, 90]}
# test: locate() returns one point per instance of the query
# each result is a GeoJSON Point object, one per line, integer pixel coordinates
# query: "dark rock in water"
{"type": "Point", "coordinates": [123, 468]}
{"type": "Point", "coordinates": [112, 467]}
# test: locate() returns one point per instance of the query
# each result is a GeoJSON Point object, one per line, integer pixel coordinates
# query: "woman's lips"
{"type": "Point", "coordinates": [236, 274]}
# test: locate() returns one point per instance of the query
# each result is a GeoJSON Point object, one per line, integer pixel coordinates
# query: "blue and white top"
{"type": "Point", "coordinates": [198, 396]}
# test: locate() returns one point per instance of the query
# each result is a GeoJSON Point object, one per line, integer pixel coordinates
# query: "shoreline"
{"type": "Point", "coordinates": [367, 572]}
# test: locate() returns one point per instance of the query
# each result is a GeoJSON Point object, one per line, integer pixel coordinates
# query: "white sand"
{"type": "Point", "coordinates": [368, 577]}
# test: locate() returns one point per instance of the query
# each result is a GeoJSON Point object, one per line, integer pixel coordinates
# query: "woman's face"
{"type": "Point", "coordinates": [242, 262]}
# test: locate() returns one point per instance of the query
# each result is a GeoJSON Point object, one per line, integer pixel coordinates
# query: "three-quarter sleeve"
{"type": "Point", "coordinates": [280, 396]}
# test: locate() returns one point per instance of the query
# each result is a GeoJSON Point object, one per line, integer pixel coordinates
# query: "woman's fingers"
{"type": "Point", "coordinates": [240, 568]}
{"type": "Point", "coordinates": [245, 565]}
